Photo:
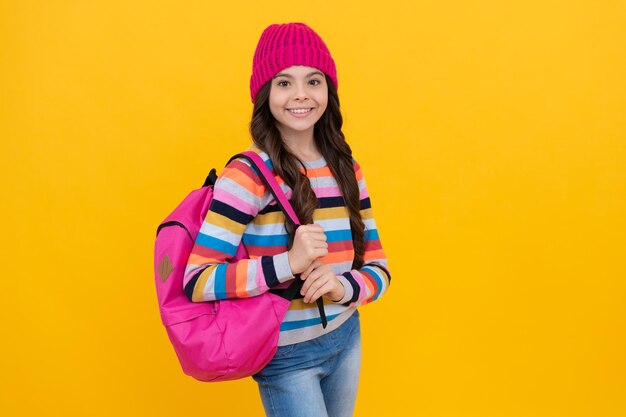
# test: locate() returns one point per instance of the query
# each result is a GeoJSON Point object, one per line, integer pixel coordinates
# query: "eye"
{"type": "Point", "coordinates": [282, 83]}
{"type": "Point", "coordinates": [315, 81]}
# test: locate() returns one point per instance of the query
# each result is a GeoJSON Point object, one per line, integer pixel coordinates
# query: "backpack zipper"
{"type": "Point", "coordinates": [174, 223]}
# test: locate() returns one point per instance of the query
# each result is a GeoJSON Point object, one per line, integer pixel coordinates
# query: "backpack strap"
{"type": "Point", "coordinates": [293, 291]}
{"type": "Point", "coordinates": [268, 178]}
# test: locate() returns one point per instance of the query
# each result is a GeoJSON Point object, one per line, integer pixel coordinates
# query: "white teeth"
{"type": "Point", "coordinates": [300, 111]}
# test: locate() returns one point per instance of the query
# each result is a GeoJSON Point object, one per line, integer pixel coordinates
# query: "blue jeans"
{"type": "Point", "coordinates": [316, 378]}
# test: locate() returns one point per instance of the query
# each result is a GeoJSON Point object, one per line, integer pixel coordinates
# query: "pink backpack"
{"type": "Point", "coordinates": [218, 340]}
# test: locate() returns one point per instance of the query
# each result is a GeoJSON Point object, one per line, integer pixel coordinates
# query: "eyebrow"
{"type": "Point", "coordinates": [291, 76]}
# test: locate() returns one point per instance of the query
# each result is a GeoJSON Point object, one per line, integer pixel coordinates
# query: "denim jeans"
{"type": "Point", "coordinates": [316, 378]}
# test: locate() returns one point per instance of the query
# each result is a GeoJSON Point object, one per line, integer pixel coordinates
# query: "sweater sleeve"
{"type": "Point", "coordinates": [211, 272]}
{"type": "Point", "coordinates": [371, 281]}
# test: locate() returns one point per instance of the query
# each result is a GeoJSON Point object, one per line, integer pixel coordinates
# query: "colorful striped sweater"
{"type": "Point", "coordinates": [243, 209]}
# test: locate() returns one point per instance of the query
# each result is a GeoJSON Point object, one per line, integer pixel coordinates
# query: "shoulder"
{"type": "Point", "coordinates": [240, 174]}
{"type": "Point", "coordinates": [242, 164]}
{"type": "Point", "coordinates": [358, 171]}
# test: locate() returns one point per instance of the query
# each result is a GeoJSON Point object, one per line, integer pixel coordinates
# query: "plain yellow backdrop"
{"type": "Point", "coordinates": [493, 138]}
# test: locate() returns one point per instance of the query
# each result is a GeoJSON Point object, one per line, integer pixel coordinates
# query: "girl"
{"type": "Point", "coordinates": [296, 129]}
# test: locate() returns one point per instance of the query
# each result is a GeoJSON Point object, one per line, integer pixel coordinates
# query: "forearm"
{"type": "Point", "coordinates": [364, 285]}
{"type": "Point", "coordinates": [237, 279]}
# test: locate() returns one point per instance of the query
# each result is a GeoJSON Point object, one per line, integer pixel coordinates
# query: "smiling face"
{"type": "Point", "coordinates": [298, 98]}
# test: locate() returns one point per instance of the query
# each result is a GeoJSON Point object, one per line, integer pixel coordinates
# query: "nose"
{"type": "Point", "coordinates": [300, 92]}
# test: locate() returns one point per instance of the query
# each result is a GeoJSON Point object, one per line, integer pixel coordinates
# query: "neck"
{"type": "Point", "coordinates": [301, 144]}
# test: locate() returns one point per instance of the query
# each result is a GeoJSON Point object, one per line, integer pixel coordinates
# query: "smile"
{"type": "Point", "coordinates": [300, 111]}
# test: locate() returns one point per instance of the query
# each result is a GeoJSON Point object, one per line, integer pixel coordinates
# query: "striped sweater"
{"type": "Point", "coordinates": [244, 210]}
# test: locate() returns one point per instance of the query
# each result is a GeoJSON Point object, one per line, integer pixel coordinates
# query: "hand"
{"type": "Point", "coordinates": [319, 279]}
{"type": "Point", "coordinates": [309, 244]}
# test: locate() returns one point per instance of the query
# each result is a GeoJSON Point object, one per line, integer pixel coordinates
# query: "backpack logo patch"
{"type": "Point", "coordinates": [165, 268]}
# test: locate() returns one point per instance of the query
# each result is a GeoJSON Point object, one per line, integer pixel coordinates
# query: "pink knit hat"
{"type": "Point", "coordinates": [282, 46]}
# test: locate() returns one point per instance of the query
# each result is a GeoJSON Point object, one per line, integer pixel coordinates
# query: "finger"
{"type": "Point", "coordinates": [315, 264]}
{"type": "Point", "coordinates": [324, 289]}
{"type": "Point", "coordinates": [314, 236]}
{"type": "Point", "coordinates": [311, 228]}
{"type": "Point", "coordinates": [315, 226]}
{"type": "Point", "coordinates": [316, 230]}
{"type": "Point", "coordinates": [318, 277]}
{"type": "Point", "coordinates": [323, 250]}
{"type": "Point", "coordinates": [313, 287]}
{"type": "Point", "coordinates": [314, 253]}
{"type": "Point", "coordinates": [310, 281]}
{"type": "Point", "coordinates": [316, 244]}
{"type": "Point", "coordinates": [320, 244]}
{"type": "Point", "coordinates": [313, 239]}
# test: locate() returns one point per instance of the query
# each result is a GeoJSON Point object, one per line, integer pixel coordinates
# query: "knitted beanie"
{"type": "Point", "coordinates": [284, 45]}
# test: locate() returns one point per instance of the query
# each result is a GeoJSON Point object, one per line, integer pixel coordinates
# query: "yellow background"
{"type": "Point", "coordinates": [493, 138]}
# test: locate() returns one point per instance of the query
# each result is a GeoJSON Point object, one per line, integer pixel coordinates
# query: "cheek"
{"type": "Point", "coordinates": [274, 105]}
{"type": "Point", "coordinates": [323, 103]}
{"type": "Point", "coordinates": [322, 99]}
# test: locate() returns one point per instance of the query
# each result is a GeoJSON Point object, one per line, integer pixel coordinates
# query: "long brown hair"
{"type": "Point", "coordinates": [331, 142]}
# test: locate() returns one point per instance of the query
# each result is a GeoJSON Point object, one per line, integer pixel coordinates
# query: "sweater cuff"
{"type": "Point", "coordinates": [347, 295]}
{"type": "Point", "coordinates": [282, 267]}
